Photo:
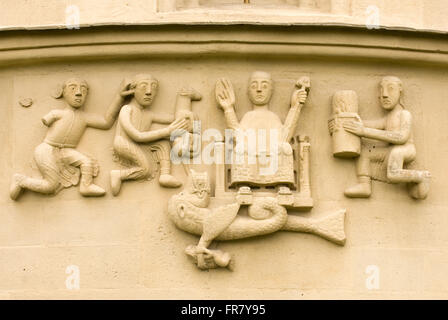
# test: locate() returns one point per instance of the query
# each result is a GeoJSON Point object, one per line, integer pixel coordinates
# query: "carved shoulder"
{"type": "Point", "coordinates": [406, 115]}
{"type": "Point", "coordinates": [125, 110]}
{"type": "Point", "coordinates": [52, 116]}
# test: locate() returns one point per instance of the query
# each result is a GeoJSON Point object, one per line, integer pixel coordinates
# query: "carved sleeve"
{"type": "Point", "coordinates": [395, 137]}
{"type": "Point", "coordinates": [51, 117]}
{"type": "Point", "coordinates": [136, 135]}
{"type": "Point", "coordinates": [105, 122]}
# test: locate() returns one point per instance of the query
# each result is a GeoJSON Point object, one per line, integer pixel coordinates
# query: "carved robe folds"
{"type": "Point", "coordinates": [270, 161]}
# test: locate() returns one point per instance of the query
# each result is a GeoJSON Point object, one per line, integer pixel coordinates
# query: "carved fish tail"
{"type": "Point", "coordinates": [243, 227]}
{"type": "Point", "coordinates": [330, 227]}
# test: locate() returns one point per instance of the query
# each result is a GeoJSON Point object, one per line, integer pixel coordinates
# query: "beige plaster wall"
{"type": "Point", "coordinates": [418, 14]}
{"type": "Point", "coordinates": [126, 247]}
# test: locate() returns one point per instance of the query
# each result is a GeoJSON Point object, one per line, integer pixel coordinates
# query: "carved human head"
{"type": "Point", "coordinates": [391, 90]}
{"type": "Point", "coordinates": [260, 88]}
{"type": "Point", "coordinates": [144, 87]}
{"type": "Point", "coordinates": [75, 92]}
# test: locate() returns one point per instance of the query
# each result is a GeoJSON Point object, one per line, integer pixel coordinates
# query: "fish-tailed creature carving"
{"type": "Point", "coordinates": [189, 211]}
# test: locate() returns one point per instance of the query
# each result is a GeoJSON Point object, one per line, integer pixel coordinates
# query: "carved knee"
{"type": "Point", "coordinates": [393, 173]}
{"type": "Point", "coordinates": [394, 167]}
{"type": "Point", "coordinates": [391, 176]}
{"type": "Point", "coordinates": [52, 186]}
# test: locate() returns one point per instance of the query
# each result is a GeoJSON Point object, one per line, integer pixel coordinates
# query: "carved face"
{"type": "Point", "coordinates": [260, 90]}
{"type": "Point", "coordinates": [198, 187]}
{"type": "Point", "coordinates": [390, 94]}
{"type": "Point", "coordinates": [145, 91]}
{"type": "Point", "coordinates": [75, 93]}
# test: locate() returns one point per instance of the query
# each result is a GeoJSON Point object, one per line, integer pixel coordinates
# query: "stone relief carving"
{"type": "Point", "coordinates": [26, 102]}
{"type": "Point", "coordinates": [184, 100]}
{"type": "Point", "coordinates": [386, 162]}
{"type": "Point", "coordinates": [59, 163]}
{"type": "Point", "coordinates": [189, 211]}
{"type": "Point", "coordinates": [243, 184]}
{"type": "Point", "coordinates": [134, 131]}
{"type": "Point", "coordinates": [345, 108]}
{"type": "Point", "coordinates": [244, 174]}
{"type": "Point", "coordinates": [266, 176]}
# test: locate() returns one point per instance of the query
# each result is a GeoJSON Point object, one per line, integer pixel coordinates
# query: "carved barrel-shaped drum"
{"type": "Point", "coordinates": [345, 108]}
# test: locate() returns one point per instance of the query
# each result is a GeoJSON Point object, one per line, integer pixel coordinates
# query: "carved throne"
{"type": "Point", "coordinates": [299, 197]}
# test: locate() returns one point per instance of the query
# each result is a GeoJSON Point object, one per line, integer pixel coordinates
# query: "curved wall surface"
{"type": "Point", "coordinates": [127, 247]}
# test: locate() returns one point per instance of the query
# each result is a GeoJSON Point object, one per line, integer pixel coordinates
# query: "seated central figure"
{"type": "Point", "coordinates": [263, 156]}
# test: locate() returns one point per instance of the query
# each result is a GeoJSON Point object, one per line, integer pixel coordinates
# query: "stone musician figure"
{"type": "Point", "coordinates": [134, 131]}
{"type": "Point", "coordinates": [395, 129]}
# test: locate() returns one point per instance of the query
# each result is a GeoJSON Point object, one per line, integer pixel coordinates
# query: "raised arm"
{"type": "Point", "coordinates": [106, 121]}
{"type": "Point", "coordinates": [298, 99]}
{"type": "Point", "coordinates": [225, 96]}
{"type": "Point", "coordinates": [51, 117]}
{"type": "Point", "coordinates": [147, 136]}
{"type": "Point", "coordinates": [395, 137]}
{"type": "Point", "coordinates": [231, 119]}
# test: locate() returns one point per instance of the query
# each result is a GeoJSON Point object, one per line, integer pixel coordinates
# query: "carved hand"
{"type": "Point", "coordinates": [178, 126]}
{"type": "Point", "coordinates": [298, 98]}
{"type": "Point", "coordinates": [357, 128]}
{"type": "Point", "coordinates": [225, 94]}
{"type": "Point", "coordinates": [125, 87]}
